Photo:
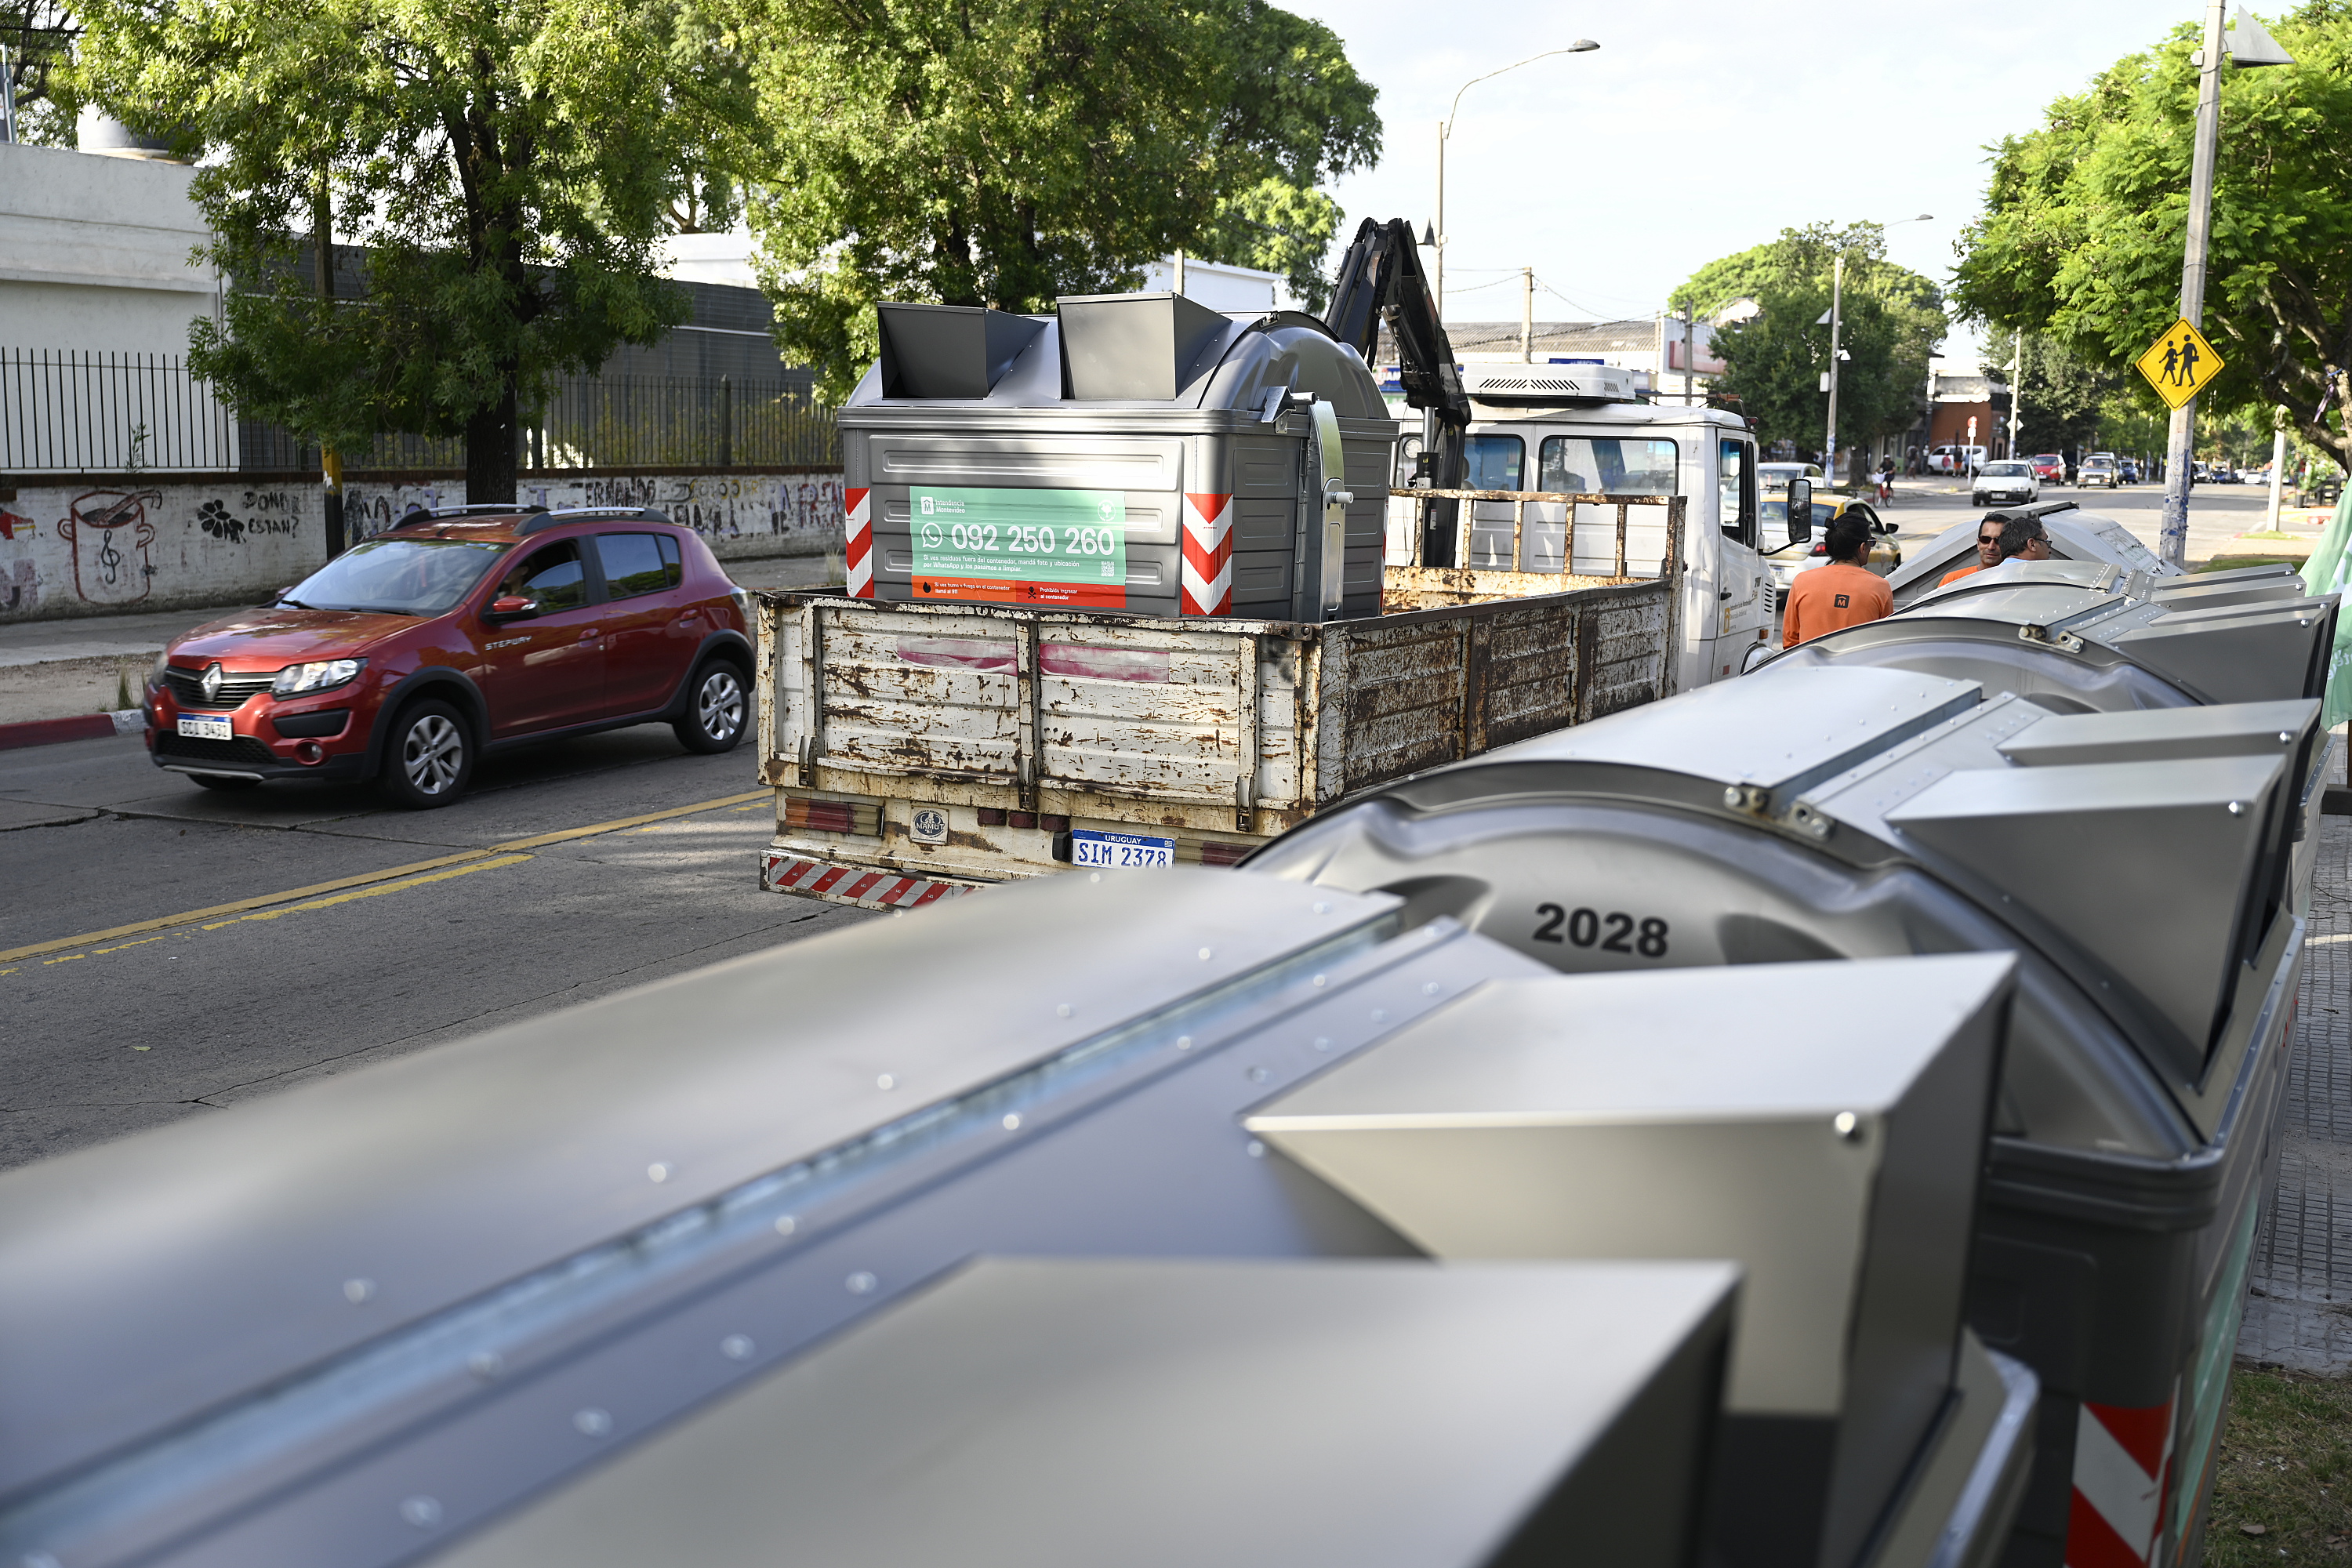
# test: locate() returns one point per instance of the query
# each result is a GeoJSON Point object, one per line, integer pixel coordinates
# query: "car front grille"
{"type": "Point", "coordinates": [188, 690]}
{"type": "Point", "coordinates": [244, 751]}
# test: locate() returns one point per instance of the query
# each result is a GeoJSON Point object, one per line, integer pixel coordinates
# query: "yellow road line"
{"type": "Point", "coordinates": [189, 917]}
{"type": "Point", "coordinates": [376, 891]}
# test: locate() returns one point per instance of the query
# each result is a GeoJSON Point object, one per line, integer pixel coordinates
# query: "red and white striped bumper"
{"type": "Point", "coordinates": [2123, 1469]}
{"type": "Point", "coordinates": [783, 872]}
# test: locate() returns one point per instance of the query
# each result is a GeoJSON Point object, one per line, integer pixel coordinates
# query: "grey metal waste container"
{"type": "Point", "coordinates": [358, 1323]}
{"type": "Point", "coordinates": [1843, 810]}
{"type": "Point", "coordinates": [1131, 451]}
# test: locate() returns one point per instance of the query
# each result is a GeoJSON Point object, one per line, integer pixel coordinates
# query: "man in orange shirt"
{"type": "Point", "coordinates": [1845, 593]}
{"type": "Point", "coordinates": [1987, 550]}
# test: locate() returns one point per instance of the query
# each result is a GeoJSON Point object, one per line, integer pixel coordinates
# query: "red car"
{"type": "Point", "coordinates": [2048, 468]}
{"type": "Point", "coordinates": [460, 632]}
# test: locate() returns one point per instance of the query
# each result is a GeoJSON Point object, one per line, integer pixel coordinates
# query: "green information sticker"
{"type": "Point", "coordinates": [1021, 536]}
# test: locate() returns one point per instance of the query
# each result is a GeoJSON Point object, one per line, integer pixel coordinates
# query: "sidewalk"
{"type": "Point", "coordinates": [2299, 1314]}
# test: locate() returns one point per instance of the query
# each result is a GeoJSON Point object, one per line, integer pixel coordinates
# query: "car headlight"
{"type": "Point", "coordinates": [324, 676]}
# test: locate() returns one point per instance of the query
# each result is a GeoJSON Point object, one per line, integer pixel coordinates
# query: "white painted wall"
{"type": "Point", "coordinates": [109, 546]}
{"type": "Point", "coordinates": [94, 253]}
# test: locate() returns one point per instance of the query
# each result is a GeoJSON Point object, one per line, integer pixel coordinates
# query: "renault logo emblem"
{"type": "Point", "coordinates": [211, 682]}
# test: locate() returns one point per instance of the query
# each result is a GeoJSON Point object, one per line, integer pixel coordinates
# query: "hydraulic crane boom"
{"type": "Point", "coordinates": [1381, 283]}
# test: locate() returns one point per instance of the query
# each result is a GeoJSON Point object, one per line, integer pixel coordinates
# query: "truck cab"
{"type": "Point", "coordinates": [1524, 436]}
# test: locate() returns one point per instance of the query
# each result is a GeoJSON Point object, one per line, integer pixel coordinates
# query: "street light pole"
{"type": "Point", "coordinates": [1445, 130]}
{"type": "Point", "coordinates": [2178, 453]}
{"type": "Point", "coordinates": [1837, 322]}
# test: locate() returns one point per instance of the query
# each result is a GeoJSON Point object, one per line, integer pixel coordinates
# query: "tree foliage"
{"type": "Point", "coordinates": [2085, 219]}
{"type": "Point", "coordinates": [506, 165]}
{"type": "Point", "coordinates": [1891, 320]}
{"type": "Point", "coordinates": [39, 35]}
{"type": "Point", "coordinates": [2063, 402]}
{"type": "Point", "coordinates": [1005, 152]}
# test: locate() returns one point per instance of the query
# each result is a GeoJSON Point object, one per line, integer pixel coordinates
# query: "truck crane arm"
{"type": "Point", "coordinates": [1381, 283]}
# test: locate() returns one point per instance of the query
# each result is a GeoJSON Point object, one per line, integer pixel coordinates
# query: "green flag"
{"type": "Point", "coordinates": [2325, 573]}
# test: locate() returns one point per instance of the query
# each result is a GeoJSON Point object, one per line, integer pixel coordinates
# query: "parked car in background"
{"type": "Point", "coordinates": [2048, 468]}
{"type": "Point", "coordinates": [2008, 482]}
{"type": "Point", "coordinates": [1955, 459]}
{"type": "Point", "coordinates": [454, 633]}
{"type": "Point", "coordinates": [2098, 468]}
{"type": "Point", "coordinates": [2127, 470]}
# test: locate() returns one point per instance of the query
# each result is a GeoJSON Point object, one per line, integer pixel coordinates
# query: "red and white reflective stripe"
{"type": "Point", "coordinates": [786, 873]}
{"type": "Point", "coordinates": [1206, 588]}
{"type": "Point", "coordinates": [2121, 1459]}
{"type": "Point", "coordinates": [858, 507]}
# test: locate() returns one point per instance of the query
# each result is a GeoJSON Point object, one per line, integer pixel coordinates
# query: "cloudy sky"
{"type": "Point", "coordinates": [1701, 127]}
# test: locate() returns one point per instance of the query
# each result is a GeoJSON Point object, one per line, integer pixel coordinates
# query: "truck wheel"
{"type": "Point", "coordinates": [428, 757]}
{"type": "Point", "coordinates": [716, 707]}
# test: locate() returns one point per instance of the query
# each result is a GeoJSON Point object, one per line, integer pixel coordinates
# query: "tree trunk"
{"type": "Point", "coordinates": [490, 453]}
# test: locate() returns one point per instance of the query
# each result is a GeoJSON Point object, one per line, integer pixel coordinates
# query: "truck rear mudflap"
{"type": "Point", "coordinates": [783, 871]}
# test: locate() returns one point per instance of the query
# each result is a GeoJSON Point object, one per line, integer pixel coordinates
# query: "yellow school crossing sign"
{"type": "Point", "coordinates": [2180, 364]}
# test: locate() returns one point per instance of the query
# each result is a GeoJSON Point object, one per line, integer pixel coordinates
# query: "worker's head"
{"type": "Point", "coordinates": [1989, 533]}
{"type": "Point", "coordinates": [1848, 538]}
{"type": "Point", "coordinates": [2023, 538]}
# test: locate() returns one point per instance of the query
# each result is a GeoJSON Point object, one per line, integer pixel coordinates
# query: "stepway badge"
{"type": "Point", "coordinates": [1026, 546]}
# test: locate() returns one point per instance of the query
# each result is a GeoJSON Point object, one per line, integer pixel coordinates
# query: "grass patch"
{"type": "Point", "coordinates": [2285, 1470]}
{"type": "Point", "coordinates": [2230, 562]}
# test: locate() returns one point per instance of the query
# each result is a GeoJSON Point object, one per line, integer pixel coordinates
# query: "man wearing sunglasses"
{"type": "Point", "coordinates": [2002, 537]}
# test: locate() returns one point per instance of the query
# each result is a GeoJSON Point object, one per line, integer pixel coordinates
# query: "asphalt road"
{"type": "Point", "coordinates": [2216, 512]}
{"type": "Point", "coordinates": [106, 1037]}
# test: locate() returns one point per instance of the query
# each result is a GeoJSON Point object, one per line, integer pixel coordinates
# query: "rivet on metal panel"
{"type": "Point", "coordinates": [423, 1513]}
{"type": "Point", "coordinates": [1319, 979]}
{"type": "Point", "coordinates": [786, 1225]}
{"type": "Point", "coordinates": [1321, 908]}
{"type": "Point", "coordinates": [1321, 1044]}
{"type": "Point", "coordinates": [1062, 1010]}
{"type": "Point", "coordinates": [2237, 808]}
{"type": "Point", "coordinates": [357, 1290]}
{"type": "Point", "coordinates": [2284, 738]}
{"type": "Point", "coordinates": [859, 1283]}
{"type": "Point", "coordinates": [1431, 988]}
{"type": "Point", "coordinates": [1094, 876]}
{"type": "Point", "coordinates": [486, 1364]}
{"type": "Point", "coordinates": [1183, 1042]}
{"type": "Point", "coordinates": [1255, 1150]}
{"type": "Point", "coordinates": [1258, 1075]}
{"type": "Point", "coordinates": [737, 1347]}
{"type": "Point", "coordinates": [1847, 1126]}
{"type": "Point", "coordinates": [885, 1080]}
{"type": "Point", "coordinates": [591, 1422]}
{"type": "Point", "coordinates": [1207, 953]}
{"type": "Point", "coordinates": [1013, 1121]}
{"type": "Point", "coordinates": [656, 1172]}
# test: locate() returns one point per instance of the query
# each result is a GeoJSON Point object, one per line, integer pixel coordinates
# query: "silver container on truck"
{"type": "Point", "coordinates": [1136, 451]}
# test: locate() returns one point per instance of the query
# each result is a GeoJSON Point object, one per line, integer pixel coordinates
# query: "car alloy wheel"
{"type": "Point", "coordinates": [432, 754]}
{"type": "Point", "coordinates": [720, 704]}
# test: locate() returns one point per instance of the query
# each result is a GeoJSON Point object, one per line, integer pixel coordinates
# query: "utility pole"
{"type": "Point", "coordinates": [322, 253]}
{"type": "Point", "coordinates": [1687, 398]}
{"type": "Point", "coordinates": [1438, 268]}
{"type": "Point", "coordinates": [2178, 447]}
{"type": "Point", "coordinates": [1837, 322]}
{"type": "Point", "coordinates": [2016, 388]}
{"type": "Point", "coordinates": [1526, 315]}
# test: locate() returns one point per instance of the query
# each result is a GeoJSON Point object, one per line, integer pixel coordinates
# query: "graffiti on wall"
{"type": "Point", "coordinates": [718, 507]}
{"type": "Point", "coordinates": [109, 534]}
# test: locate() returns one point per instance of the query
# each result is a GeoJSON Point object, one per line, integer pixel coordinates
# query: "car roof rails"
{"type": "Point", "coordinates": [479, 508]}
{"type": "Point", "coordinates": [542, 518]}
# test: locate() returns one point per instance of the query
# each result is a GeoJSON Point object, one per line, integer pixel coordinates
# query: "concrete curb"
{"type": "Point", "coordinates": [81, 727]}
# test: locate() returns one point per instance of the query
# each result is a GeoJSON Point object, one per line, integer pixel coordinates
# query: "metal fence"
{"type": "Point", "coordinates": [63, 411]}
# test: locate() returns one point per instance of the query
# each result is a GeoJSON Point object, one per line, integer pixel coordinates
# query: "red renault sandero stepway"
{"type": "Point", "coordinates": [460, 632]}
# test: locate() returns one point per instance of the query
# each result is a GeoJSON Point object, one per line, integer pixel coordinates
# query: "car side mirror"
{"type": "Point", "coordinates": [1800, 509]}
{"type": "Point", "coordinates": [510, 607]}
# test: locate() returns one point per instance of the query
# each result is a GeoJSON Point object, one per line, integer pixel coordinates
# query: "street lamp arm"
{"type": "Point", "coordinates": [1582, 46]}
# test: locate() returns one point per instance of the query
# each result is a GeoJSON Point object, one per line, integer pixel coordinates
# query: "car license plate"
{"type": "Point", "coordinates": [1120, 849]}
{"type": "Point", "coordinates": [206, 727]}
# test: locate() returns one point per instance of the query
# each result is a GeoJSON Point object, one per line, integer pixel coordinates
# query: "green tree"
{"type": "Point", "coordinates": [2086, 218]}
{"type": "Point", "coordinates": [39, 36]}
{"type": "Point", "coordinates": [506, 165]}
{"type": "Point", "coordinates": [1005, 152]}
{"type": "Point", "coordinates": [1892, 320]}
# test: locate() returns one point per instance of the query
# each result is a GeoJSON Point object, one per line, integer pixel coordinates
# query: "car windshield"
{"type": "Point", "coordinates": [397, 577]}
{"type": "Point", "coordinates": [2005, 470]}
